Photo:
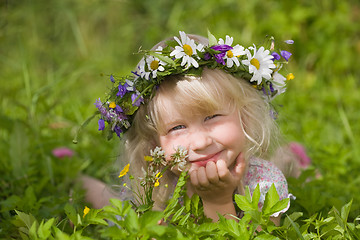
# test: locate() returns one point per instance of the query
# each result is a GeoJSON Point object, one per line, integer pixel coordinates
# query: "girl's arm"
{"type": "Point", "coordinates": [96, 192]}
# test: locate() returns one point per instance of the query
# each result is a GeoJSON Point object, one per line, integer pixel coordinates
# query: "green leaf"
{"type": "Point", "coordinates": [132, 221]}
{"type": "Point", "coordinates": [184, 219]}
{"type": "Point", "coordinates": [150, 218]}
{"type": "Point", "coordinates": [345, 211]}
{"type": "Point", "coordinates": [243, 203]}
{"type": "Point", "coordinates": [27, 219]}
{"type": "Point", "coordinates": [71, 213]}
{"type": "Point", "coordinates": [158, 230]}
{"type": "Point", "coordinates": [282, 204]}
{"type": "Point", "coordinates": [256, 197]}
{"type": "Point", "coordinates": [195, 200]}
{"type": "Point", "coordinates": [33, 232]}
{"type": "Point", "coordinates": [297, 230]}
{"type": "Point", "coordinates": [163, 58]}
{"type": "Point", "coordinates": [178, 214]}
{"type": "Point", "coordinates": [212, 39]}
{"type": "Point", "coordinates": [271, 198]}
{"type": "Point", "coordinates": [294, 216]}
{"type": "Point", "coordinates": [266, 236]}
{"type": "Point", "coordinates": [44, 230]}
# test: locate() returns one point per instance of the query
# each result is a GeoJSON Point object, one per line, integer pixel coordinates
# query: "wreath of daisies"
{"type": "Point", "coordinates": [257, 65]}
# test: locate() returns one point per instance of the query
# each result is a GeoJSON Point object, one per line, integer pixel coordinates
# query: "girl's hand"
{"type": "Point", "coordinates": [215, 184]}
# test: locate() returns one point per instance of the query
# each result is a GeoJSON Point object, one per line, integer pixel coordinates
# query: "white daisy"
{"type": "Point", "coordinates": [232, 55]}
{"type": "Point", "coordinates": [153, 65]}
{"type": "Point", "coordinates": [186, 50]}
{"type": "Point", "coordinates": [260, 64]}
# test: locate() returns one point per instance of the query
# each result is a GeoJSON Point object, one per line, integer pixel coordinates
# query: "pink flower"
{"type": "Point", "coordinates": [61, 152]}
{"type": "Point", "coordinates": [300, 152]}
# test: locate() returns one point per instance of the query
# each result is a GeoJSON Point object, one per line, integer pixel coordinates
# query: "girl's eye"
{"type": "Point", "coordinates": [178, 127]}
{"type": "Point", "coordinates": [211, 117]}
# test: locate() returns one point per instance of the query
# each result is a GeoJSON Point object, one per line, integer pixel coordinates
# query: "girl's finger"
{"type": "Point", "coordinates": [211, 172]}
{"type": "Point", "coordinates": [193, 178]}
{"type": "Point", "coordinates": [201, 175]}
{"type": "Point", "coordinates": [240, 166]}
{"type": "Point", "coordinates": [223, 171]}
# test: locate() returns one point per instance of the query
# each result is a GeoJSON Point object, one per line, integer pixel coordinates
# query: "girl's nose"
{"type": "Point", "coordinates": [200, 140]}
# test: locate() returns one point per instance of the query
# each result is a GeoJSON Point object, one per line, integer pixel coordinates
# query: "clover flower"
{"type": "Point", "coordinates": [62, 152]}
{"type": "Point", "coordinates": [186, 50]}
{"type": "Point", "coordinates": [179, 158]}
{"type": "Point", "coordinates": [260, 64]}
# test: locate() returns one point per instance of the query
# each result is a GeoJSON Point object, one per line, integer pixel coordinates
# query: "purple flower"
{"type": "Point", "coordinates": [117, 130]}
{"type": "Point", "coordinates": [207, 56]}
{"type": "Point", "coordinates": [285, 54]}
{"type": "Point", "coordinates": [135, 100]}
{"type": "Point", "coordinates": [100, 107]}
{"type": "Point", "coordinates": [112, 78]}
{"type": "Point", "coordinates": [220, 58]}
{"type": "Point", "coordinates": [276, 56]}
{"type": "Point", "coordinates": [122, 90]}
{"type": "Point", "coordinates": [222, 48]}
{"type": "Point", "coordinates": [61, 152]}
{"type": "Point", "coordinates": [118, 109]}
{"type": "Point", "coordinates": [289, 41]}
{"type": "Point", "coordinates": [101, 124]}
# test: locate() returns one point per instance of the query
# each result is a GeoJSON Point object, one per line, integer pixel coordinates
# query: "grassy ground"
{"type": "Point", "coordinates": [56, 57]}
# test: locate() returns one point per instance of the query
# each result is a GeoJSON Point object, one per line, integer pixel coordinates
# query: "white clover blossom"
{"type": "Point", "coordinates": [186, 50]}
{"type": "Point", "coordinates": [157, 153]}
{"type": "Point", "coordinates": [232, 55]}
{"type": "Point", "coordinates": [260, 64]}
{"type": "Point", "coordinates": [179, 157]}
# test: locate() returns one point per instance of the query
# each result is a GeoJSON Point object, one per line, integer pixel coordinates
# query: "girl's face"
{"type": "Point", "coordinates": [207, 137]}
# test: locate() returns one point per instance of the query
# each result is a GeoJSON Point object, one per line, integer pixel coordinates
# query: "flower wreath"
{"type": "Point", "coordinates": [184, 56]}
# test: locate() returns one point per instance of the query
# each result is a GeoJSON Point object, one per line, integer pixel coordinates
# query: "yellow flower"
{"type": "Point", "coordinates": [86, 211]}
{"type": "Point", "coordinates": [124, 171]}
{"type": "Point", "coordinates": [124, 184]}
{"type": "Point", "coordinates": [290, 76]}
{"type": "Point", "coordinates": [148, 158]}
{"type": "Point", "coordinates": [157, 183]}
{"type": "Point", "coordinates": [112, 105]}
{"type": "Point", "coordinates": [158, 175]}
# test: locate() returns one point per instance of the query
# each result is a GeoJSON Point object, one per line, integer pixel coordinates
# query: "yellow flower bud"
{"type": "Point", "coordinates": [290, 76]}
{"type": "Point", "coordinates": [86, 211]}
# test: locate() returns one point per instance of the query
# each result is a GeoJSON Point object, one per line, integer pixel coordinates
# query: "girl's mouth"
{"type": "Point", "coordinates": [201, 162]}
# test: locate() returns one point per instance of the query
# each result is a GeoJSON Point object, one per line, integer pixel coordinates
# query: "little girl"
{"type": "Point", "coordinates": [210, 97]}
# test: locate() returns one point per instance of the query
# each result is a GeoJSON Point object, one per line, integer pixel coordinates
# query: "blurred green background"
{"type": "Point", "coordinates": [56, 57]}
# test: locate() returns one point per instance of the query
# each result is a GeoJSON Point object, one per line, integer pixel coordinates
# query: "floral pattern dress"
{"type": "Point", "coordinates": [265, 174]}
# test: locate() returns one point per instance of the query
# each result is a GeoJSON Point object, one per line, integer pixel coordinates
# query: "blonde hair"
{"type": "Point", "coordinates": [211, 91]}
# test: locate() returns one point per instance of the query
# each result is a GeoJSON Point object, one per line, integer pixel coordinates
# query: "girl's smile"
{"type": "Point", "coordinates": [207, 137]}
{"type": "Point", "coordinates": [202, 161]}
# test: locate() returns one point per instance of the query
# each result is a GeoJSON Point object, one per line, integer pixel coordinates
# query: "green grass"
{"type": "Point", "coordinates": [55, 58]}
